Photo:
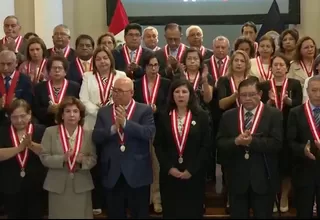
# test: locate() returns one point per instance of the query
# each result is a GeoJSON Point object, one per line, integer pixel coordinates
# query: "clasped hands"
{"type": "Point", "coordinates": [307, 151]}
{"type": "Point", "coordinates": [272, 98]}
{"type": "Point", "coordinates": [26, 143]}
{"type": "Point", "coordinates": [132, 67]}
{"type": "Point", "coordinates": [180, 175]}
{"type": "Point", "coordinates": [69, 154]}
{"type": "Point", "coordinates": [120, 117]}
{"type": "Point", "coordinates": [243, 139]}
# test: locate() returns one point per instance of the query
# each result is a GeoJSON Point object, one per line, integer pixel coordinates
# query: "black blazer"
{"type": "Point", "coordinates": [161, 100]}
{"type": "Point", "coordinates": [195, 156]}
{"type": "Point", "coordinates": [264, 148]}
{"type": "Point", "coordinates": [70, 58]}
{"type": "Point", "coordinates": [41, 102]}
{"type": "Point", "coordinates": [73, 73]}
{"type": "Point", "coordinates": [122, 65]}
{"type": "Point", "coordinates": [162, 59]}
{"type": "Point", "coordinates": [207, 54]}
{"type": "Point", "coordinates": [294, 92]}
{"type": "Point", "coordinates": [23, 91]}
{"type": "Point", "coordinates": [11, 181]}
{"type": "Point", "coordinates": [305, 172]}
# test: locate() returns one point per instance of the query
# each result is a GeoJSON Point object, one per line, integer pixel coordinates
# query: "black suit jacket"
{"type": "Point", "coordinates": [162, 59]}
{"type": "Point", "coordinates": [121, 63]}
{"type": "Point", "coordinates": [161, 100]}
{"type": "Point", "coordinates": [70, 58]}
{"type": "Point", "coordinates": [41, 101]}
{"type": "Point", "coordinates": [11, 181]}
{"type": "Point", "coordinates": [23, 91]}
{"type": "Point", "coordinates": [207, 54]}
{"type": "Point", "coordinates": [305, 172]}
{"type": "Point", "coordinates": [73, 73]}
{"type": "Point", "coordinates": [264, 148]}
{"type": "Point", "coordinates": [294, 92]}
{"type": "Point", "coordinates": [195, 156]}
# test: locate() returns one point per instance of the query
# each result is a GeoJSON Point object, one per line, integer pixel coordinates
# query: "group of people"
{"type": "Point", "coordinates": [137, 124]}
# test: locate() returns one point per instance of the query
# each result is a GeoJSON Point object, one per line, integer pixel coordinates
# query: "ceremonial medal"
{"type": "Point", "coordinates": [180, 160]}
{"type": "Point", "coordinates": [22, 173]}
{"type": "Point", "coordinates": [247, 156]}
{"type": "Point", "coordinates": [123, 148]}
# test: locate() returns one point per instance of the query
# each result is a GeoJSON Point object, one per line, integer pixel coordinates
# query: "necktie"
{"type": "Point", "coordinates": [86, 66]}
{"type": "Point", "coordinates": [248, 120]}
{"type": "Point", "coordinates": [219, 66]}
{"type": "Point", "coordinates": [132, 55]}
{"type": "Point", "coordinates": [316, 115]}
{"type": "Point", "coordinates": [7, 83]}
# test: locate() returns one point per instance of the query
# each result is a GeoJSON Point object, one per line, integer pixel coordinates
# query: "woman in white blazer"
{"type": "Point", "coordinates": [96, 87]}
{"type": "Point", "coordinates": [260, 66]}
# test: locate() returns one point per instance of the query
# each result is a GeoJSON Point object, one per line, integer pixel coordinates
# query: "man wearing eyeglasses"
{"type": "Point", "coordinates": [130, 57]}
{"type": "Point", "coordinates": [123, 132]}
{"type": "Point", "coordinates": [61, 41]}
{"type": "Point", "coordinates": [249, 140]}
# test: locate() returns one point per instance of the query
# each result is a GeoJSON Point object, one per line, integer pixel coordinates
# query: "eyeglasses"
{"type": "Point", "coordinates": [249, 94]}
{"type": "Point", "coordinates": [119, 91]}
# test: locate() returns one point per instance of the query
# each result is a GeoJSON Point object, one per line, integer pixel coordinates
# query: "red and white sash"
{"type": "Point", "coordinates": [104, 90]}
{"type": "Point", "coordinates": [130, 111]}
{"type": "Point", "coordinates": [305, 69]}
{"type": "Point", "coordinates": [196, 80]}
{"type": "Point", "coordinates": [180, 52]}
{"type": "Point", "coordinates": [81, 68]}
{"type": "Point", "coordinates": [180, 140]}
{"type": "Point", "coordinates": [66, 51]}
{"type": "Point", "coordinates": [22, 157]}
{"type": "Point", "coordinates": [63, 90]}
{"type": "Point", "coordinates": [223, 69]}
{"type": "Point", "coordinates": [127, 57]}
{"type": "Point", "coordinates": [255, 122]}
{"type": "Point", "coordinates": [18, 42]}
{"type": "Point", "coordinates": [279, 100]}
{"type": "Point", "coordinates": [156, 48]}
{"type": "Point", "coordinates": [234, 89]}
{"type": "Point", "coordinates": [256, 47]}
{"type": "Point", "coordinates": [265, 76]}
{"type": "Point", "coordinates": [150, 98]}
{"type": "Point", "coordinates": [11, 93]}
{"type": "Point", "coordinates": [38, 73]}
{"type": "Point", "coordinates": [66, 145]}
{"type": "Point", "coordinates": [202, 50]}
{"type": "Point", "coordinates": [311, 122]}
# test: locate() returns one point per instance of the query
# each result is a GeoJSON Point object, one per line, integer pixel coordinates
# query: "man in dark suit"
{"type": "Point", "coordinates": [172, 54]}
{"type": "Point", "coordinates": [61, 41]}
{"type": "Point", "coordinates": [13, 40]}
{"type": "Point", "coordinates": [194, 36]}
{"type": "Point", "coordinates": [12, 83]}
{"type": "Point", "coordinates": [129, 58]}
{"type": "Point", "coordinates": [123, 132]}
{"type": "Point", "coordinates": [303, 136]}
{"type": "Point", "coordinates": [249, 150]}
{"type": "Point", "coordinates": [83, 62]}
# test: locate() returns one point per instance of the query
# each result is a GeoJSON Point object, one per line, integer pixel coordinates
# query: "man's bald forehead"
{"type": "Point", "coordinates": [9, 54]}
{"type": "Point", "coordinates": [124, 82]}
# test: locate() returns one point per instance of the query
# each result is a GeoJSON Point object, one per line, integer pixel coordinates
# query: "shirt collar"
{"type": "Point", "coordinates": [11, 76]}
{"type": "Point", "coordinates": [253, 111]}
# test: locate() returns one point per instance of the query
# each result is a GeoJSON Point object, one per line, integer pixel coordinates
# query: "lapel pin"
{"type": "Point", "coordinates": [193, 123]}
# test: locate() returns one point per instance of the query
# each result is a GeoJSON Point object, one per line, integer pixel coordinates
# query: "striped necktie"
{"type": "Point", "coordinates": [316, 115]}
{"type": "Point", "coordinates": [248, 120]}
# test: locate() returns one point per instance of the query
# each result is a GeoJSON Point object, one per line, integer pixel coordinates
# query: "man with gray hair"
{"type": "Point", "coordinates": [13, 40]}
{"type": "Point", "coordinates": [61, 41]}
{"type": "Point", "coordinates": [150, 38]}
{"type": "Point", "coordinates": [12, 84]}
{"type": "Point", "coordinates": [304, 139]}
{"type": "Point", "coordinates": [194, 36]}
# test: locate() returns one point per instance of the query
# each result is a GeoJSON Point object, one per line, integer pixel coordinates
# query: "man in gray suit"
{"type": "Point", "coordinates": [123, 132]}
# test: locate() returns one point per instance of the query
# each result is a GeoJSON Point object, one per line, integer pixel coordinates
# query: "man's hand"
{"type": "Point", "coordinates": [205, 73]}
{"type": "Point", "coordinates": [10, 44]}
{"type": "Point", "coordinates": [185, 175]}
{"type": "Point", "coordinates": [53, 108]}
{"type": "Point", "coordinates": [175, 172]}
{"type": "Point", "coordinates": [307, 152]}
{"type": "Point", "coordinates": [121, 115]}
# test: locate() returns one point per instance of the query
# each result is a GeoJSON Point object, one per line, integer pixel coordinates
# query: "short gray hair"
{"type": "Point", "coordinates": [8, 53]}
{"type": "Point", "coordinates": [152, 29]}
{"type": "Point", "coordinates": [14, 17]}
{"type": "Point", "coordinates": [221, 38]}
{"type": "Point", "coordinates": [64, 27]}
{"type": "Point", "coordinates": [313, 79]}
{"type": "Point", "coordinates": [193, 27]}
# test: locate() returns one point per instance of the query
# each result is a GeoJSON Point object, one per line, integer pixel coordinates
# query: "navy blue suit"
{"type": "Point", "coordinates": [126, 174]}
{"type": "Point", "coordinates": [74, 74]}
{"type": "Point", "coordinates": [23, 91]}
{"type": "Point", "coordinates": [122, 65]}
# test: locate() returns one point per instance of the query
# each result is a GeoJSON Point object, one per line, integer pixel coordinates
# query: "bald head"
{"type": "Point", "coordinates": [122, 91]}
{"type": "Point", "coordinates": [8, 62]}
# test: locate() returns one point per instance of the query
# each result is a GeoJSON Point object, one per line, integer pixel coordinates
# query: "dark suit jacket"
{"type": "Point", "coordinates": [163, 63]}
{"type": "Point", "coordinates": [10, 169]}
{"type": "Point", "coordinates": [21, 50]}
{"type": "Point", "coordinates": [122, 65]}
{"type": "Point", "coordinates": [135, 162]}
{"type": "Point", "coordinates": [161, 100]}
{"type": "Point", "coordinates": [71, 56]}
{"type": "Point", "coordinates": [207, 54]}
{"type": "Point", "coordinates": [41, 101]}
{"type": "Point", "coordinates": [264, 148]}
{"type": "Point", "coordinates": [195, 156]}
{"type": "Point", "coordinates": [74, 74]}
{"type": "Point", "coordinates": [305, 172]}
{"type": "Point", "coordinates": [294, 92]}
{"type": "Point", "coordinates": [23, 91]}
